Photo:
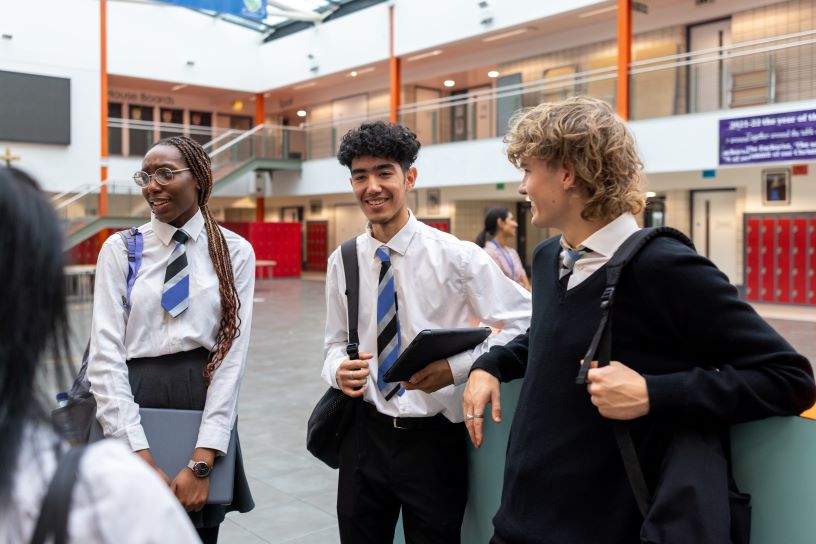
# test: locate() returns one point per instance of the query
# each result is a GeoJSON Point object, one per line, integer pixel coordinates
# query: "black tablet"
{"type": "Point", "coordinates": [432, 345]}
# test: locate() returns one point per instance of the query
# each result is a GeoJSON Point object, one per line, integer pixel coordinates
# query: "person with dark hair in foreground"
{"type": "Point", "coordinates": [407, 452]}
{"type": "Point", "coordinates": [688, 356]}
{"type": "Point", "coordinates": [499, 229]}
{"type": "Point", "coordinates": [183, 344]}
{"type": "Point", "coordinates": [116, 499]}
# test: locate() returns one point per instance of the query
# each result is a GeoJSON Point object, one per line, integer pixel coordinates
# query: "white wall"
{"type": "Point", "coordinates": [61, 50]}
{"type": "Point", "coordinates": [155, 41]}
{"type": "Point", "coordinates": [422, 24]}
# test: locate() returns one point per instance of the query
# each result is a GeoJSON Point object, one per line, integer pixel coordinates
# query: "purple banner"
{"type": "Point", "coordinates": [777, 137]}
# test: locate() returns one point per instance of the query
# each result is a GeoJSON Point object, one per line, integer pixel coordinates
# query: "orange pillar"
{"type": "Point", "coordinates": [260, 117]}
{"type": "Point", "coordinates": [394, 69]}
{"type": "Point", "coordinates": [103, 72]}
{"type": "Point", "coordinates": [624, 55]}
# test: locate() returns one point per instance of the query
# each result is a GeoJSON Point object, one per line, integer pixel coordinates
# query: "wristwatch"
{"type": "Point", "coordinates": [200, 468]}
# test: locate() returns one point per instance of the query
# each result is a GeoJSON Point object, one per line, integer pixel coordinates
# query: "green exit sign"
{"type": "Point", "coordinates": [500, 186]}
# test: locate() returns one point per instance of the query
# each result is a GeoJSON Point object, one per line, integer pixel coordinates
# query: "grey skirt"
{"type": "Point", "coordinates": [177, 381]}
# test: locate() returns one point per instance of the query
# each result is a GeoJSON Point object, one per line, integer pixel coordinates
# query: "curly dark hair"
{"type": "Point", "coordinates": [380, 139]}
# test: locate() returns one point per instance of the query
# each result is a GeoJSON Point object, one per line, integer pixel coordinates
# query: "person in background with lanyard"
{"type": "Point", "coordinates": [499, 228]}
{"type": "Point", "coordinates": [116, 499]}
{"type": "Point", "coordinates": [183, 345]}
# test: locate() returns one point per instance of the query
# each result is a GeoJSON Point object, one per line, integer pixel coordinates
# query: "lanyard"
{"type": "Point", "coordinates": [507, 258]}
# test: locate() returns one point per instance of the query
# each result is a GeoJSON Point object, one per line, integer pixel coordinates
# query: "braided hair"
{"type": "Point", "coordinates": [201, 168]}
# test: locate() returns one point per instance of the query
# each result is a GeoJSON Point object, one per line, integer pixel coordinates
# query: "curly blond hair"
{"type": "Point", "coordinates": [584, 134]}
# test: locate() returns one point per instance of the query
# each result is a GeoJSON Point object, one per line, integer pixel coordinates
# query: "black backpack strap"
{"type": "Point", "coordinates": [349, 253]}
{"type": "Point", "coordinates": [600, 349]}
{"type": "Point", "coordinates": [53, 520]}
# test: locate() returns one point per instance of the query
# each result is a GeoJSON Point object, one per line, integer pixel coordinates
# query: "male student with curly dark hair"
{"type": "Point", "coordinates": [408, 452]}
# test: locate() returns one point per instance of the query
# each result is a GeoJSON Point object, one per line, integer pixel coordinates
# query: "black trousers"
{"type": "Point", "coordinates": [421, 469]}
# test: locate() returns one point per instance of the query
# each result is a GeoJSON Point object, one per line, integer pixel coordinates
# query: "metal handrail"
{"type": "Point", "coordinates": [725, 48]}
{"type": "Point", "coordinates": [221, 137]}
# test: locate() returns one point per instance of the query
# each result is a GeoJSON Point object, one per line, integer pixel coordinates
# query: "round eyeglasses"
{"type": "Point", "coordinates": [163, 176]}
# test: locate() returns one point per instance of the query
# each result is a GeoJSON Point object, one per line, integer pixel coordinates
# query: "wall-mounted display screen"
{"type": "Point", "coordinates": [35, 109]}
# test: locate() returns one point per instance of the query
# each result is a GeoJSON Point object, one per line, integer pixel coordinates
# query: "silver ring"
{"type": "Point", "coordinates": [470, 416]}
{"type": "Point", "coordinates": [478, 416]}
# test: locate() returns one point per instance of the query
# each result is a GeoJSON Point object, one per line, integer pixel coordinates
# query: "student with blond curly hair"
{"type": "Point", "coordinates": [686, 352]}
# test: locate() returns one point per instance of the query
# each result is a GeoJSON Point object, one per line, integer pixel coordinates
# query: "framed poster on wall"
{"type": "Point", "coordinates": [776, 189]}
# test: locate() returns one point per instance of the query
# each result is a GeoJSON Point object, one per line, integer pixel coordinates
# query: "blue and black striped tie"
{"type": "Point", "coordinates": [176, 291]}
{"type": "Point", "coordinates": [388, 329]}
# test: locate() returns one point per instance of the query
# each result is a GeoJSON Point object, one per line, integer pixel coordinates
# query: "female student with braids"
{"type": "Point", "coordinates": [184, 342]}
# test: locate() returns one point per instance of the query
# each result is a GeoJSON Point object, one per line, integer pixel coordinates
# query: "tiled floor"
{"type": "Point", "coordinates": [294, 493]}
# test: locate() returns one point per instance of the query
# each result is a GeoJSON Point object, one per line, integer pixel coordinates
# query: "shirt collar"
{"type": "Point", "coordinates": [606, 240]}
{"type": "Point", "coordinates": [165, 232]}
{"type": "Point", "coordinates": [400, 241]}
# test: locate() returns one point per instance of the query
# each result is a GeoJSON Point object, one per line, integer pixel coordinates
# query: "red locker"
{"type": "Point", "coordinates": [811, 268]}
{"type": "Point", "coordinates": [752, 253]}
{"type": "Point", "coordinates": [317, 245]}
{"type": "Point", "coordinates": [766, 260]}
{"type": "Point", "coordinates": [783, 260]}
{"type": "Point", "coordinates": [799, 261]}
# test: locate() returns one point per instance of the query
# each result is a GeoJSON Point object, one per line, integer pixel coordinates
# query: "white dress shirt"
{"type": "Point", "coordinates": [441, 282]}
{"type": "Point", "coordinates": [149, 331]}
{"type": "Point", "coordinates": [603, 243]}
{"type": "Point", "coordinates": [117, 498]}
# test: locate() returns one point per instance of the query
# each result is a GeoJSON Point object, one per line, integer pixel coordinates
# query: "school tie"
{"type": "Point", "coordinates": [176, 292]}
{"type": "Point", "coordinates": [571, 256]}
{"type": "Point", "coordinates": [388, 329]}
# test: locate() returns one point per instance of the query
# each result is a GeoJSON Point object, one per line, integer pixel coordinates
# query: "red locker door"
{"type": "Point", "coordinates": [811, 268]}
{"type": "Point", "coordinates": [317, 246]}
{"type": "Point", "coordinates": [783, 260]}
{"type": "Point", "coordinates": [799, 261]}
{"type": "Point", "coordinates": [752, 253]}
{"type": "Point", "coordinates": [766, 260]}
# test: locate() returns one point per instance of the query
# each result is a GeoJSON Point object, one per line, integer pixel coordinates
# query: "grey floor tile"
{"type": "Point", "coordinates": [232, 533]}
{"type": "Point", "coordinates": [327, 536]}
{"type": "Point", "coordinates": [286, 521]}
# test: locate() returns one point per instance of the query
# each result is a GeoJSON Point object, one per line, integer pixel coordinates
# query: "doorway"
{"type": "Point", "coordinates": [528, 235]}
{"type": "Point", "coordinates": [349, 221]}
{"type": "Point", "coordinates": [707, 80]}
{"type": "Point", "coordinates": [714, 228]}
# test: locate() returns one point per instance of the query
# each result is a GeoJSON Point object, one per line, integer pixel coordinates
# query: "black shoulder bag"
{"type": "Point", "coordinates": [334, 411]}
{"type": "Point", "coordinates": [52, 525]}
{"type": "Point", "coordinates": [695, 498]}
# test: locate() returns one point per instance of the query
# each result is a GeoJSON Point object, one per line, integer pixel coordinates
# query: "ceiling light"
{"type": "Point", "coordinates": [421, 56]}
{"type": "Point", "coordinates": [449, 83]}
{"type": "Point", "coordinates": [178, 87]}
{"type": "Point", "coordinates": [651, 194]}
{"type": "Point", "coordinates": [304, 85]}
{"type": "Point", "coordinates": [355, 73]}
{"type": "Point", "coordinates": [301, 113]}
{"type": "Point", "coordinates": [598, 11]}
{"type": "Point", "coordinates": [237, 105]}
{"type": "Point", "coordinates": [504, 35]}
{"type": "Point", "coordinates": [492, 73]}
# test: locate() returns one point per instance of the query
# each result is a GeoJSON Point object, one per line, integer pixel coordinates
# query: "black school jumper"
{"type": "Point", "coordinates": [708, 358]}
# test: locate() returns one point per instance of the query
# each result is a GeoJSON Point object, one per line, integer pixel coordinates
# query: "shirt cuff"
{"type": "Point", "coordinates": [214, 437]}
{"type": "Point", "coordinates": [460, 366]}
{"type": "Point", "coordinates": [667, 394]}
{"type": "Point", "coordinates": [134, 436]}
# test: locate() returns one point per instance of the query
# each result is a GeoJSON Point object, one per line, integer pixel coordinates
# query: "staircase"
{"type": "Point", "coordinates": [233, 154]}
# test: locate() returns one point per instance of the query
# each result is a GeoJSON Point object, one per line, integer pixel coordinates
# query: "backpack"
{"type": "Point", "coordinates": [76, 421]}
{"type": "Point", "coordinates": [695, 493]}
{"type": "Point", "coordinates": [334, 412]}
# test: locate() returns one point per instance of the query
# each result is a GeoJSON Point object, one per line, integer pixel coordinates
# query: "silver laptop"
{"type": "Point", "coordinates": [172, 435]}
